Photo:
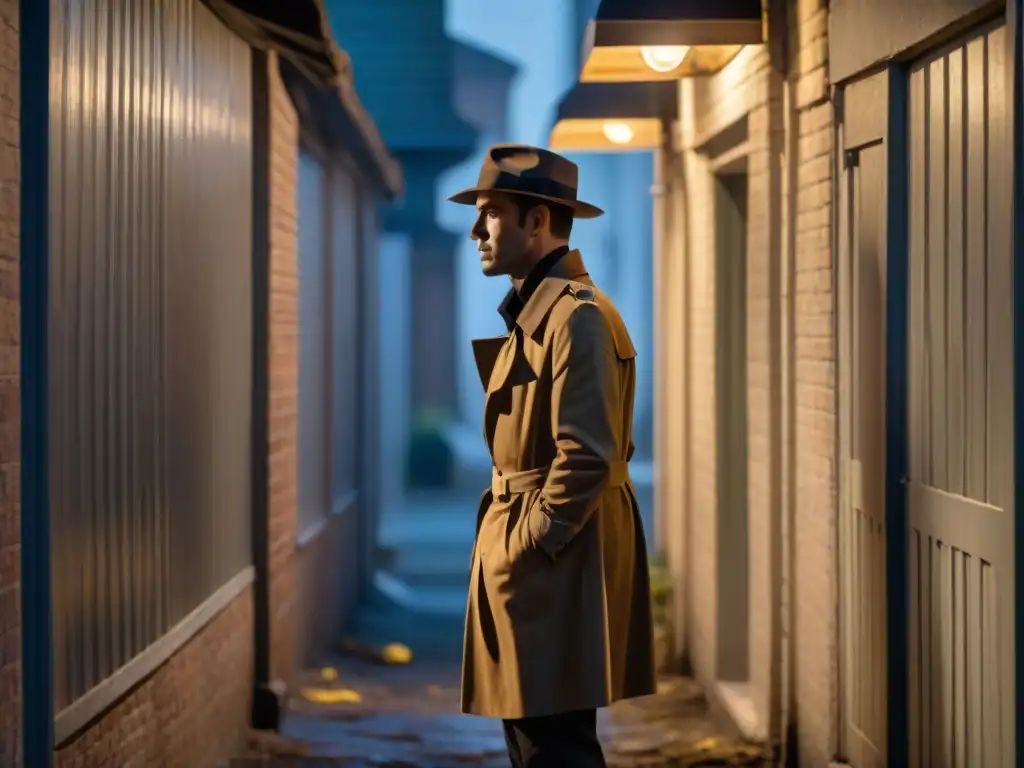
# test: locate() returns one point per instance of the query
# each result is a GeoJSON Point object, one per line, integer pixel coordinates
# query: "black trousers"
{"type": "Point", "coordinates": [567, 740]}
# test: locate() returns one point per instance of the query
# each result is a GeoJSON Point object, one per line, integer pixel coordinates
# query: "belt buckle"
{"type": "Point", "coordinates": [500, 489]}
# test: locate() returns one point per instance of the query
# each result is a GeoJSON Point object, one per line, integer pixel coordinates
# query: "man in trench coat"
{"type": "Point", "coordinates": [558, 617]}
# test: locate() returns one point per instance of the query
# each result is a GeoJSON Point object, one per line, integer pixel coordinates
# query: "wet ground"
{"type": "Point", "coordinates": [408, 717]}
{"type": "Point", "coordinates": [363, 714]}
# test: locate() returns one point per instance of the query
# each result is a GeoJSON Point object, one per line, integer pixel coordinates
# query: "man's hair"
{"type": "Point", "coordinates": [561, 215]}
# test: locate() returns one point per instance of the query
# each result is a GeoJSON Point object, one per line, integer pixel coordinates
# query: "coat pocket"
{"type": "Point", "coordinates": [520, 543]}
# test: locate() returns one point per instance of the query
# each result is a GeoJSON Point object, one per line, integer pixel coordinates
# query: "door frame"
{"type": "Point", "coordinates": [1015, 100]}
{"type": "Point", "coordinates": [897, 429]}
{"type": "Point", "coordinates": [856, 129]}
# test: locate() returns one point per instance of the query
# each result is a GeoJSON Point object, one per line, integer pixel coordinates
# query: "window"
{"type": "Point", "coordinates": [346, 345]}
{"type": "Point", "coordinates": [314, 344]}
{"type": "Point", "coordinates": [330, 347]}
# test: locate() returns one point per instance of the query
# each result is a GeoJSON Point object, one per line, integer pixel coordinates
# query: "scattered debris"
{"type": "Point", "coordinates": [391, 653]}
{"type": "Point", "coordinates": [329, 673]}
{"type": "Point", "coordinates": [331, 695]}
{"type": "Point", "coordinates": [396, 653]}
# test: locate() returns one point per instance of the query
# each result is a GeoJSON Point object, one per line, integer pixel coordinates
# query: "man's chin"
{"type": "Point", "coordinates": [490, 267]}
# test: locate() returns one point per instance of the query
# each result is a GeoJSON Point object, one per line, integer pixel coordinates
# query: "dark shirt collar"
{"type": "Point", "coordinates": [515, 300]}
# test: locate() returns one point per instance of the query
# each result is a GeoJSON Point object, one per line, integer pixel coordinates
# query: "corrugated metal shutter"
{"type": "Point", "coordinates": [150, 324]}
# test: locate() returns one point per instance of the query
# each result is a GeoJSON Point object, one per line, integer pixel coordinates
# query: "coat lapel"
{"type": "Point", "coordinates": [500, 358]}
{"type": "Point", "coordinates": [485, 352]}
{"type": "Point", "coordinates": [494, 360]}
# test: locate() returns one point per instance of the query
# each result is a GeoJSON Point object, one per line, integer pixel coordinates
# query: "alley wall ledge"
{"type": "Point", "coordinates": [77, 717]}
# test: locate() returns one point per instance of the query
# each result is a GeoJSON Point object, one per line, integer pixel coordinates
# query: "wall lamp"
{"type": "Point", "coordinates": [651, 40]}
{"type": "Point", "coordinates": [614, 117]}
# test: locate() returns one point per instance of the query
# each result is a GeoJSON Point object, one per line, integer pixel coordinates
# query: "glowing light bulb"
{"type": "Point", "coordinates": [618, 133]}
{"type": "Point", "coordinates": [664, 58]}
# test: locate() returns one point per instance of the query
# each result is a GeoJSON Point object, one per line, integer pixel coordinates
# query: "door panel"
{"type": "Point", "coordinates": [862, 303]}
{"type": "Point", "coordinates": [960, 410]}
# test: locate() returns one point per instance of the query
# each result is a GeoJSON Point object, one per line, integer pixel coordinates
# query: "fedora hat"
{"type": "Point", "coordinates": [519, 169]}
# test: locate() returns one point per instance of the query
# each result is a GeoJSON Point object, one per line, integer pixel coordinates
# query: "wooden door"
{"type": "Point", "coordinates": [862, 305]}
{"type": "Point", "coordinates": [960, 409]}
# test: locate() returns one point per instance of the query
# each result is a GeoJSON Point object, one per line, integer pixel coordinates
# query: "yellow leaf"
{"type": "Point", "coordinates": [331, 695]}
{"type": "Point", "coordinates": [396, 653]}
{"type": "Point", "coordinates": [704, 745]}
{"type": "Point", "coordinates": [329, 673]}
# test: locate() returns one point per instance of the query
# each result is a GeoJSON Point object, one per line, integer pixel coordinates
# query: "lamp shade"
{"type": "Point", "coordinates": [650, 40]}
{"type": "Point", "coordinates": [614, 117]}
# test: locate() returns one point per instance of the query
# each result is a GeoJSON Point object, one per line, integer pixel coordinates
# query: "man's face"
{"type": "Point", "coordinates": [503, 243]}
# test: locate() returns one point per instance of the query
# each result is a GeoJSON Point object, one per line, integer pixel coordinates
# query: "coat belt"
{"type": "Point", "coordinates": [506, 484]}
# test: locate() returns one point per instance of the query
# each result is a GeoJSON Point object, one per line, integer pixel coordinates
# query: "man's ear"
{"type": "Point", "coordinates": [540, 217]}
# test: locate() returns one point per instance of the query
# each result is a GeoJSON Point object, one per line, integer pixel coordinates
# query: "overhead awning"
{"type": "Point", "coordinates": [300, 33]}
{"type": "Point", "coordinates": [614, 117]}
{"type": "Point", "coordinates": [650, 40]}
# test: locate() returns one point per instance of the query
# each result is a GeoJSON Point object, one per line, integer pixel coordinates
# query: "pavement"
{"type": "Point", "coordinates": [408, 717]}
{"type": "Point", "coordinates": [356, 711]}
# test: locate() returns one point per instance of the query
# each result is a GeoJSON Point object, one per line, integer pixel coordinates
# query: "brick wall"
{"type": "Point", "coordinates": [815, 562]}
{"type": "Point", "coordinates": [745, 90]}
{"type": "Point", "coordinates": [284, 373]}
{"type": "Point", "coordinates": [10, 413]}
{"type": "Point", "coordinates": [790, 359]}
{"type": "Point", "coordinates": [192, 713]}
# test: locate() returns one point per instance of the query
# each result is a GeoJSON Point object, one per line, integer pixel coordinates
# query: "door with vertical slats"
{"type": "Point", "coordinates": [862, 299]}
{"type": "Point", "coordinates": [960, 409]}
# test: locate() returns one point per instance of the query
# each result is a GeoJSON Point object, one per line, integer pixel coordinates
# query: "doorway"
{"type": "Point", "coordinates": [732, 515]}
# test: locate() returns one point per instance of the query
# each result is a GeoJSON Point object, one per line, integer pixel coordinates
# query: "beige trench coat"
{"type": "Point", "coordinates": [558, 616]}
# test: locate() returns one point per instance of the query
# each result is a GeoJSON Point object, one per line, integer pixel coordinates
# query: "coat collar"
{"type": "Point", "coordinates": [570, 268]}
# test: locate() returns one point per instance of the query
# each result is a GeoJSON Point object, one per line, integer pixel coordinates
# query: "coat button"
{"type": "Point", "coordinates": [499, 473]}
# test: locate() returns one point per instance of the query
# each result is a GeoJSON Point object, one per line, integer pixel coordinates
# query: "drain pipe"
{"type": "Point", "coordinates": [658, 336]}
{"type": "Point", "coordinates": [783, 40]}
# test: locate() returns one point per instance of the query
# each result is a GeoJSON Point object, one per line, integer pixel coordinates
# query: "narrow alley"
{"type": "Point", "coordinates": [251, 321]}
{"type": "Point", "coordinates": [360, 711]}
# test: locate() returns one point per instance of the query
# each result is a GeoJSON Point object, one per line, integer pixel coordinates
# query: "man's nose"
{"type": "Point", "coordinates": [477, 232]}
